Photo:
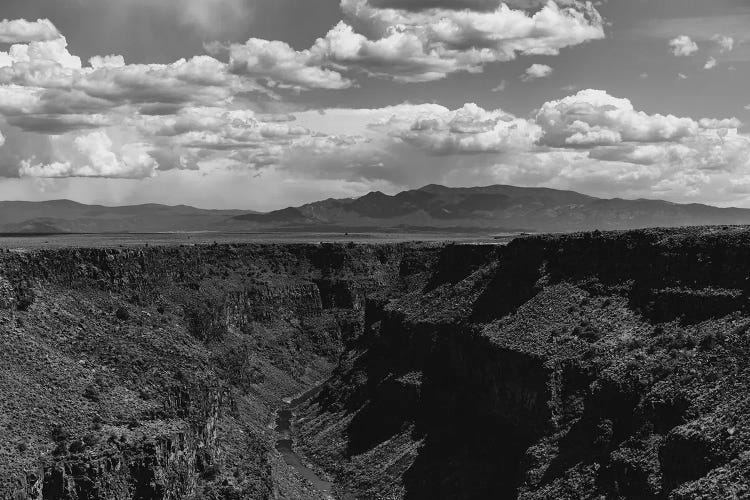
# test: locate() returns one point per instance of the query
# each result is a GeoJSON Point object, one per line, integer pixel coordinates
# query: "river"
{"type": "Point", "coordinates": [285, 443]}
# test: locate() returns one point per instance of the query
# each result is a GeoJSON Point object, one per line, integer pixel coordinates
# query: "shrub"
{"type": "Point", "coordinates": [92, 393]}
{"type": "Point", "coordinates": [211, 472]}
{"type": "Point", "coordinates": [205, 317]}
{"type": "Point", "coordinates": [25, 296]}
{"type": "Point", "coordinates": [59, 434]}
{"type": "Point", "coordinates": [91, 439]}
{"type": "Point", "coordinates": [76, 446]}
{"type": "Point", "coordinates": [122, 314]}
{"type": "Point", "coordinates": [711, 341]}
{"type": "Point", "coordinates": [634, 343]}
{"type": "Point", "coordinates": [587, 332]}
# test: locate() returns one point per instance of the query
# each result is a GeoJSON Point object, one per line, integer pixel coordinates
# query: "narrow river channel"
{"type": "Point", "coordinates": [285, 443]}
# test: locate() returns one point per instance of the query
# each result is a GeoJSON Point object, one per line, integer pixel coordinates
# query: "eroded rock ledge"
{"type": "Point", "coordinates": [584, 366]}
{"type": "Point", "coordinates": [154, 373]}
{"type": "Point", "coordinates": [603, 365]}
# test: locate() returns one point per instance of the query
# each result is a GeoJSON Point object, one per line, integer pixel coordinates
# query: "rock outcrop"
{"type": "Point", "coordinates": [601, 365]}
{"type": "Point", "coordinates": [584, 366]}
{"type": "Point", "coordinates": [154, 373]}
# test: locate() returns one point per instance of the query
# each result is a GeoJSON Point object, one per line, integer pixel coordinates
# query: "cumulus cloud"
{"type": "Point", "coordinates": [45, 67]}
{"type": "Point", "coordinates": [711, 63]}
{"type": "Point", "coordinates": [591, 142]}
{"type": "Point", "coordinates": [46, 89]}
{"type": "Point", "coordinates": [281, 64]}
{"type": "Point", "coordinates": [106, 118]}
{"type": "Point", "coordinates": [725, 43]}
{"type": "Point", "coordinates": [470, 129]}
{"type": "Point", "coordinates": [683, 46]}
{"type": "Point", "coordinates": [95, 155]}
{"type": "Point", "coordinates": [594, 118]}
{"type": "Point", "coordinates": [23, 31]}
{"type": "Point", "coordinates": [421, 41]}
{"type": "Point", "coordinates": [536, 71]}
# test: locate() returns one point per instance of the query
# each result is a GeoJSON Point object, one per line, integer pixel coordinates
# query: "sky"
{"type": "Point", "coordinates": [263, 104]}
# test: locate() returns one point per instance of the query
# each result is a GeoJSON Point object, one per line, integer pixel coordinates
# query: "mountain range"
{"type": "Point", "coordinates": [431, 208]}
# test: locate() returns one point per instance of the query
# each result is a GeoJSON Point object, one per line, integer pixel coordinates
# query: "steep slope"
{"type": "Point", "coordinates": [155, 373]}
{"type": "Point", "coordinates": [601, 365]}
{"type": "Point", "coordinates": [586, 366]}
{"type": "Point", "coordinates": [495, 208]}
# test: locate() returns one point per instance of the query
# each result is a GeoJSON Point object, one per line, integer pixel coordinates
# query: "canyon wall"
{"type": "Point", "coordinates": [601, 365]}
{"type": "Point", "coordinates": [154, 373]}
{"type": "Point", "coordinates": [582, 366]}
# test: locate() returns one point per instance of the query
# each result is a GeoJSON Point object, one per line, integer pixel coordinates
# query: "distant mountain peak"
{"type": "Point", "coordinates": [499, 208]}
{"type": "Point", "coordinates": [433, 207]}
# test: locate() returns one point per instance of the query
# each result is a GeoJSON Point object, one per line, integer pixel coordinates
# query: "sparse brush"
{"type": "Point", "coordinates": [92, 393]}
{"type": "Point", "coordinates": [59, 434]}
{"type": "Point", "coordinates": [122, 314]}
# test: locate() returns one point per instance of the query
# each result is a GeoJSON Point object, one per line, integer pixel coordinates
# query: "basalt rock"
{"type": "Point", "coordinates": [153, 373]}
{"type": "Point", "coordinates": [602, 365]}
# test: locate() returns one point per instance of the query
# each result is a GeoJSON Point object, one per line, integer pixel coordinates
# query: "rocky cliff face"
{"type": "Point", "coordinates": [584, 366]}
{"type": "Point", "coordinates": [154, 372]}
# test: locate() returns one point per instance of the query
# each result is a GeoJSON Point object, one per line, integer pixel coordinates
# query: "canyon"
{"type": "Point", "coordinates": [588, 365]}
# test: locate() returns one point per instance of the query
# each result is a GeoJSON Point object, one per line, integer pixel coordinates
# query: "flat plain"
{"type": "Point", "coordinates": [23, 241]}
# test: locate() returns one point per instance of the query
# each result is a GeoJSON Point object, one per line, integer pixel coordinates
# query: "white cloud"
{"type": "Point", "coordinates": [725, 43]}
{"type": "Point", "coordinates": [23, 31]}
{"type": "Point", "coordinates": [468, 130]}
{"type": "Point", "coordinates": [500, 87]}
{"type": "Point", "coordinates": [590, 142]}
{"type": "Point", "coordinates": [62, 119]}
{"type": "Point", "coordinates": [683, 46]}
{"type": "Point", "coordinates": [593, 117]}
{"type": "Point", "coordinates": [536, 71]}
{"type": "Point", "coordinates": [711, 63]}
{"type": "Point", "coordinates": [110, 119]}
{"type": "Point", "coordinates": [95, 155]}
{"type": "Point", "coordinates": [407, 42]}
{"type": "Point", "coordinates": [279, 62]}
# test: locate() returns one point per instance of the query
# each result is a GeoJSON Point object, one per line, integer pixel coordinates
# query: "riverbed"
{"type": "Point", "coordinates": [285, 443]}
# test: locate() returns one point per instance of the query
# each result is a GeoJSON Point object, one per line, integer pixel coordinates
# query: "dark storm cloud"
{"type": "Point", "coordinates": [57, 124]}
